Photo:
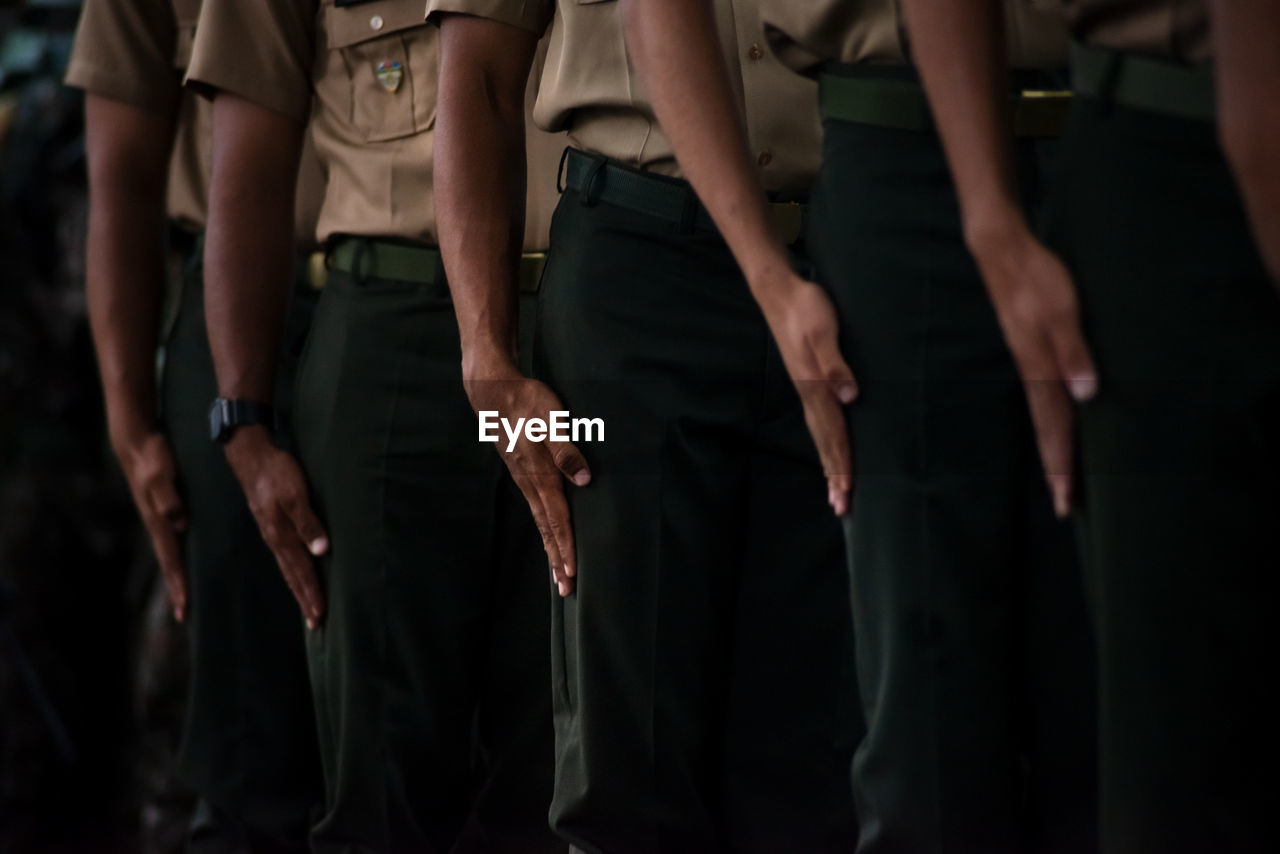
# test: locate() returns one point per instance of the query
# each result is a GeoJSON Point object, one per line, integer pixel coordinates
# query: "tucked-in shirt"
{"type": "Point", "coordinates": [372, 68]}
{"type": "Point", "coordinates": [135, 52]}
{"type": "Point", "coordinates": [590, 88]}
{"type": "Point", "coordinates": [1168, 29]}
{"type": "Point", "coordinates": [805, 34]}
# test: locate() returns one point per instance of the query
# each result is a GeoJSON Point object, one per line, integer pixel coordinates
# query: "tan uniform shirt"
{"type": "Point", "coordinates": [372, 68]}
{"type": "Point", "coordinates": [591, 90]}
{"type": "Point", "coordinates": [807, 33]}
{"type": "Point", "coordinates": [135, 52]}
{"type": "Point", "coordinates": [1169, 29]}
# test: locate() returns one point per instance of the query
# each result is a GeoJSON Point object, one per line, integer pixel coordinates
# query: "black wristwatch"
{"type": "Point", "coordinates": [226, 415]}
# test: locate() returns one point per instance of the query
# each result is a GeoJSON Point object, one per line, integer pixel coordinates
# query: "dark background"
{"type": "Point", "coordinates": [91, 668]}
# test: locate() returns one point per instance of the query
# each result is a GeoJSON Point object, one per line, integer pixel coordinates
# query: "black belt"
{"type": "Point", "coordinates": [671, 200]}
{"type": "Point", "coordinates": [1144, 83]}
{"type": "Point", "coordinates": [900, 102]}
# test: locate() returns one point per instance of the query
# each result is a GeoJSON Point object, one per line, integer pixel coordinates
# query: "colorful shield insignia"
{"type": "Point", "coordinates": [390, 75]}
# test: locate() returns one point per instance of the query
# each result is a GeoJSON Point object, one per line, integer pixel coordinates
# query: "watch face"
{"type": "Point", "coordinates": [217, 420]}
{"type": "Point", "coordinates": [226, 415]}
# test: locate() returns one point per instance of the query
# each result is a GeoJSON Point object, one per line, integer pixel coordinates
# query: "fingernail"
{"type": "Point", "coordinates": [561, 587]}
{"type": "Point", "coordinates": [1082, 387]}
{"type": "Point", "coordinates": [1061, 504]}
{"type": "Point", "coordinates": [582, 478]}
{"type": "Point", "coordinates": [570, 571]}
{"type": "Point", "coordinates": [311, 623]}
{"type": "Point", "coordinates": [847, 392]}
{"type": "Point", "coordinates": [318, 546]}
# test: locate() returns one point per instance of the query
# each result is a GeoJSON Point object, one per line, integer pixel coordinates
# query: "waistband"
{"type": "Point", "coordinates": [598, 179]}
{"type": "Point", "coordinates": [381, 258]}
{"type": "Point", "coordinates": [1144, 83]}
{"type": "Point", "coordinates": [893, 97]}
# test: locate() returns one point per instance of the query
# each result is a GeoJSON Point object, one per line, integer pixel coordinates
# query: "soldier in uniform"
{"type": "Point", "coordinates": [702, 651]}
{"type": "Point", "coordinates": [1165, 217]}
{"type": "Point", "coordinates": [428, 604]}
{"type": "Point", "coordinates": [974, 656]}
{"type": "Point", "coordinates": [249, 747]}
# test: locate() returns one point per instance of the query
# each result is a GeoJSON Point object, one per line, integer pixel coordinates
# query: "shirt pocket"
{"type": "Point", "coordinates": [382, 68]}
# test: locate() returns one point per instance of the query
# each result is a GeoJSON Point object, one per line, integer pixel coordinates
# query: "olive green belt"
{"type": "Point", "coordinates": [902, 105]}
{"type": "Point", "coordinates": [596, 178]}
{"type": "Point", "coordinates": [1185, 91]}
{"type": "Point", "coordinates": [404, 262]}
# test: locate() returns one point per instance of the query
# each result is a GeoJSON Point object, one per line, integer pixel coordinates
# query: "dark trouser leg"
{"type": "Point", "coordinates": [700, 664]}
{"type": "Point", "coordinates": [436, 587]}
{"type": "Point", "coordinates": [973, 654]}
{"type": "Point", "coordinates": [249, 748]}
{"type": "Point", "coordinates": [1181, 453]}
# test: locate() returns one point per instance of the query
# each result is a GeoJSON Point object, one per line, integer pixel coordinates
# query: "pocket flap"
{"type": "Point", "coordinates": [348, 25]}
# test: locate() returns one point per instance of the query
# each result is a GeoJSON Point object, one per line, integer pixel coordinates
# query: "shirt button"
{"type": "Point", "coordinates": [375, 23]}
{"type": "Point", "coordinates": [755, 54]}
{"type": "Point", "coordinates": [765, 158]}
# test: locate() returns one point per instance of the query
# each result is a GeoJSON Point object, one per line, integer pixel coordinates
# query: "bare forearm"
{"type": "Point", "coordinates": [959, 49]}
{"type": "Point", "coordinates": [249, 243]}
{"type": "Point", "coordinates": [128, 151]}
{"type": "Point", "coordinates": [678, 56]}
{"type": "Point", "coordinates": [480, 174]}
{"type": "Point", "coordinates": [1246, 36]}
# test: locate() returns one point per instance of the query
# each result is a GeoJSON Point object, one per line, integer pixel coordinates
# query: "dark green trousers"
{"type": "Point", "coordinates": [974, 657]}
{"type": "Point", "coordinates": [249, 748]}
{"type": "Point", "coordinates": [1181, 456]}
{"type": "Point", "coordinates": [437, 590]}
{"type": "Point", "coordinates": [703, 679]}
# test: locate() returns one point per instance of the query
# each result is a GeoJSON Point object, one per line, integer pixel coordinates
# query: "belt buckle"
{"type": "Point", "coordinates": [1040, 113]}
{"type": "Point", "coordinates": [531, 266]}
{"type": "Point", "coordinates": [788, 220]}
{"type": "Point", "coordinates": [317, 269]}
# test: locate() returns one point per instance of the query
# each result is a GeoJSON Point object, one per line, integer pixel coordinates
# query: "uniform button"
{"type": "Point", "coordinates": [375, 23]}
{"type": "Point", "coordinates": [765, 158]}
{"type": "Point", "coordinates": [755, 54]}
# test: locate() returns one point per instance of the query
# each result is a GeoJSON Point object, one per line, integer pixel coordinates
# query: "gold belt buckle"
{"type": "Point", "coordinates": [1041, 113]}
{"type": "Point", "coordinates": [788, 220]}
{"type": "Point", "coordinates": [317, 269]}
{"type": "Point", "coordinates": [531, 266]}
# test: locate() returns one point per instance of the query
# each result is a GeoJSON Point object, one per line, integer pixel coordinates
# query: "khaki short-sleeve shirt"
{"type": "Point", "coordinates": [805, 34]}
{"type": "Point", "coordinates": [364, 74]}
{"type": "Point", "coordinates": [1169, 29]}
{"type": "Point", "coordinates": [135, 52]}
{"type": "Point", "coordinates": [590, 88]}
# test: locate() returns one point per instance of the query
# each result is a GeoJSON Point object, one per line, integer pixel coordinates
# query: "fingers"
{"type": "Point", "coordinates": [298, 570]}
{"type": "Point", "coordinates": [824, 415]}
{"type": "Point", "coordinates": [167, 503]}
{"type": "Point", "coordinates": [301, 538]}
{"type": "Point", "coordinates": [164, 540]}
{"type": "Point", "coordinates": [571, 463]}
{"type": "Point", "coordinates": [550, 544]}
{"type": "Point", "coordinates": [1053, 415]}
{"type": "Point", "coordinates": [831, 364]}
{"type": "Point", "coordinates": [556, 509]}
{"type": "Point", "coordinates": [1072, 356]}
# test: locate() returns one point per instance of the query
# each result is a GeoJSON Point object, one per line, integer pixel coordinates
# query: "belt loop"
{"type": "Point", "coordinates": [593, 184]}
{"type": "Point", "coordinates": [1107, 83]}
{"type": "Point", "coordinates": [564, 158]}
